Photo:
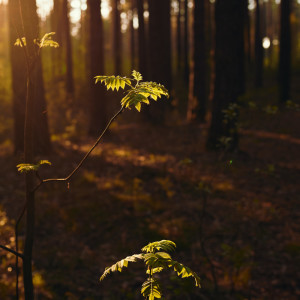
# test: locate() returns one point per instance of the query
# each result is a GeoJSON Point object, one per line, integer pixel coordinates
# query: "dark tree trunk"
{"type": "Point", "coordinates": [160, 52]}
{"type": "Point", "coordinates": [68, 47]}
{"type": "Point", "coordinates": [98, 113]}
{"type": "Point", "coordinates": [178, 40]}
{"type": "Point", "coordinates": [200, 74]}
{"type": "Point", "coordinates": [56, 24]}
{"type": "Point", "coordinates": [117, 47]}
{"type": "Point", "coordinates": [186, 44]}
{"type": "Point", "coordinates": [18, 67]}
{"type": "Point", "coordinates": [241, 48]}
{"type": "Point", "coordinates": [142, 41]}
{"type": "Point", "coordinates": [285, 51]}
{"type": "Point", "coordinates": [32, 120]}
{"type": "Point", "coordinates": [229, 21]}
{"type": "Point", "coordinates": [40, 125]}
{"type": "Point", "coordinates": [132, 37]}
{"type": "Point", "coordinates": [259, 54]}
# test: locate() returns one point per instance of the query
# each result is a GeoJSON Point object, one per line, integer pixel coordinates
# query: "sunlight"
{"type": "Point", "coordinates": [266, 43]}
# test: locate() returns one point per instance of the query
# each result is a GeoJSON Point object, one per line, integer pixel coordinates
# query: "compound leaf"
{"type": "Point", "coordinates": [118, 266]}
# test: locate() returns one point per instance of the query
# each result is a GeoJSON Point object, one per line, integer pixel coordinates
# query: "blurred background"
{"type": "Point", "coordinates": [215, 168]}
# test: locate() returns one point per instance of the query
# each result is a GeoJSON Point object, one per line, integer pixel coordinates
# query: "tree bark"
{"type": "Point", "coordinates": [98, 108]}
{"type": "Point", "coordinates": [186, 43]}
{"type": "Point", "coordinates": [200, 74]}
{"type": "Point", "coordinates": [40, 125]}
{"type": "Point", "coordinates": [285, 51]}
{"type": "Point", "coordinates": [160, 52]}
{"type": "Point", "coordinates": [18, 67]}
{"type": "Point", "coordinates": [259, 54]}
{"type": "Point", "coordinates": [142, 41]}
{"type": "Point", "coordinates": [228, 18]}
{"type": "Point", "coordinates": [117, 46]}
{"type": "Point", "coordinates": [68, 50]}
{"type": "Point", "coordinates": [178, 40]}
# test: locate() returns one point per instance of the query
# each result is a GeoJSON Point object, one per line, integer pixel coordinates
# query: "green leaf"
{"type": "Point", "coordinates": [183, 271]}
{"type": "Point", "coordinates": [137, 76]}
{"type": "Point", "coordinates": [151, 289]}
{"type": "Point", "coordinates": [165, 245]}
{"type": "Point", "coordinates": [31, 167]}
{"type": "Point", "coordinates": [113, 82]}
{"type": "Point", "coordinates": [47, 41]}
{"type": "Point", "coordinates": [19, 43]}
{"type": "Point", "coordinates": [121, 264]}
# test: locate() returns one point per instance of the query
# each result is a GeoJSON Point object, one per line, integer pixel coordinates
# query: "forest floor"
{"type": "Point", "coordinates": [234, 217]}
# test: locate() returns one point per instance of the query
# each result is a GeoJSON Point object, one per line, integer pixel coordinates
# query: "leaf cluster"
{"type": "Point", "coordinates": [156, 258]}
{"type": "Point", "coordinates": [46, 41]}
{"type": "Point", "coordinates": [32, 167]}
{"type": "Point", "coordinates": [136, 94]}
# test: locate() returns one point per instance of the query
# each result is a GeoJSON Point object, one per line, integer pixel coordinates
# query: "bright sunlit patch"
{"type": "Point", "coordinates": [278, 1]}
{"type": "Point", "coordinates": [275, 42]}
{"type": "Point", "coordinates": [105, 9]}
{"type": "Point", "coordinates": [135, 22]}
{"type": "Point", "coordinates": [266, 43]}
{"type": "Point", "coordinates": [251, 5]}
{"type": "Point", "coordinates": [44, 7]}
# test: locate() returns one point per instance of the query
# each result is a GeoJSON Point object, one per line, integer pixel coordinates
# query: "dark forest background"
{"type": "Point", "coordinates": [215, 168]}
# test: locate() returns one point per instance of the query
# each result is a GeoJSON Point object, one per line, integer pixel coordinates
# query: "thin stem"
{"type": "Point", "coordinates": [68, 178]}
{"type": "Point", "coordinates": [12, 251]}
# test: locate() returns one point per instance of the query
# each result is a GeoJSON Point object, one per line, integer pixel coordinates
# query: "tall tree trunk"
{"type": "Point", "coordinates": [229, 21]}
{"type": "Point", "coordinates": [200, 74]}
{"type": "Point", "coordinates": [56, 24]}
{"type": "Point", "coordinates": [285, 51]}
{"type": "Point", "coordinates": [142, 41]}
{"type": "Point", "coordinates": [186, 43]}
{"type": "Point", "coordinates": [68, 47]}
{"type": "Point", "coordinates": [178, 39]}
{"type": "Point", "coordinates": [259, 54]}
{"type": "Point", "coordinates": [117, 47]}
{"type": "Point", "coordinates": [18, 65]}
{"type": "Point", "coordinates": [41, 130]}
{"type": "Point", "coordinates": [160, 51]}
{"type": "Point", "coordinates": [132, 36]}
{"type": "Point", "coordinates": [30, 21]}
{"type": "Point", "coordinates": [98, 113]}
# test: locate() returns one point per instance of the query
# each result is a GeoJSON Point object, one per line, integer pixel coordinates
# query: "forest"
{"type": "Point", "coordinates": [149, 149]}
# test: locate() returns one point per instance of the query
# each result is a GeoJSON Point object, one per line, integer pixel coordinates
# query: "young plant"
{"type": "Point", "coordinates": [156, 258]}
{"type": "Point", "coordinates": [137, 92]}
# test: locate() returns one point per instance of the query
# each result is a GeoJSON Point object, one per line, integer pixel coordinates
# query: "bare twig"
{"type": "Point", "coordinates": [12, 251]}
{"type": "Point", "coordinates": [68, 178]}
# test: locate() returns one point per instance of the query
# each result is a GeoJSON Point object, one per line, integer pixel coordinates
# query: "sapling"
{"type": "Point", "coordinates": [156, 257]}
{"type": "Point", "coordinates": [136, 93]}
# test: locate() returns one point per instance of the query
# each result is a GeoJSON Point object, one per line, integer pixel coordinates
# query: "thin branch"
{"type": "Point", "coordinates": [12, 251]}
{"type": "Point", "coordinates": [68, 178]}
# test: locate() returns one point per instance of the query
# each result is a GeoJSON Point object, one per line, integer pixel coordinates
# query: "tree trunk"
{"type": "Point", "coordinates": [160, 52]}
{"type": "Point", "coordinates": [132, 36]}
{"type": "Point", "coordinates": [285, 51]}
{"type": "Point", "coordinates": [186, 44]}
{"type": "Point", "coordinates": [68, 48]}
{"type": "Point", "coordinates": [30, 21]}
{"type": "Point", "coordinates": [56, 24]}
{"type": "Point", "coordinates": [117, 47]}
{"type": "Point", "coordinates": [40, 126]}
{"type": "Point", "coordinates": [142, 41]}
{"type": "Point", "coordinates": [200, 74]}
{"type": "Point", "coordinates": [229, 21]}
{"type": "Point", "coordinates": [259, 54]}
{"type": "Point", "coordinates": [18, 65]}
{"type": "Point", "coordinates": [98, 113]}
{"type": "Point", "coordinates": [178, 40]}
